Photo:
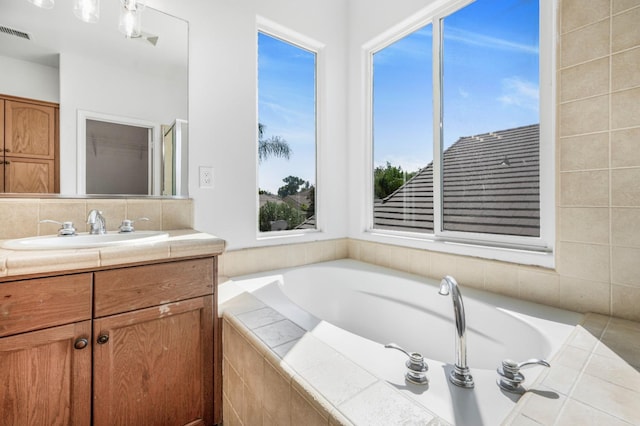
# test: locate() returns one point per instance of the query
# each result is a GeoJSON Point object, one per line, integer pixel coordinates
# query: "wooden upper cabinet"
{"type": "Point", "coordinates": [30, 130]}
{"type": "Point", "coordinates": [28, 175]}
{"type": "Point", "coordinates": [29, 146]}
{"type": "Point", "coordinates": [1, 127]}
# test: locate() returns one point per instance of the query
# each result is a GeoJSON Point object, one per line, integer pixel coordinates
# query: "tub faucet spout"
{"type": "Point", "coordinates": [460, 375]}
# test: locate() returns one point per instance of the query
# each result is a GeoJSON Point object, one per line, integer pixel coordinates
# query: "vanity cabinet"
{"type": "Point", "coordinates": [29, 132]}
{"type": "Point", "coordinates": [45, 351]}
{"type": "Point", "coordinates": [140, 351]}
{"type": "Point", "coordinates": [153, 344]}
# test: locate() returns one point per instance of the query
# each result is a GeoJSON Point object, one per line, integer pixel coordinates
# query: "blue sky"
{"type": "Point", "coordinates": [286, 106]}
{"type": "Point", "coordinates": [490, 83]}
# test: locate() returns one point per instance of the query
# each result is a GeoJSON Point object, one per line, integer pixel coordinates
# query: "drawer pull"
{"type": "Point", "coordinates": [103, 338]}
{"type": "Point", "coordinates": [81, 343]}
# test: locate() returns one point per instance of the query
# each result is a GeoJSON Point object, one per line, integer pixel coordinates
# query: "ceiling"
{"type": "Point", "coordinates": [57, 31]}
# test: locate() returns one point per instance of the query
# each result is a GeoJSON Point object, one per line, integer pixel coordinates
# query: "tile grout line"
{"type": "Point", "coordinates": [581, 373]}
{"type": "Point", "coordinates": [610, 166]}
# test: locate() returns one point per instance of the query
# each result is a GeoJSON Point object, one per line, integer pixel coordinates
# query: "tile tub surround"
{"type": "Point", "coordinates": [594, 376]}
{"type": "Point", "coordinates": [558, 288]}
{"type": "Point", "coordinates": [315, 386]}
{"type": "Point", "coordinates": [595, 379]}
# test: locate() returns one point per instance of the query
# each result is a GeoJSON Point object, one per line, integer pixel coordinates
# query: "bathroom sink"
{"type": "Point", "coordinates": [85, 240]}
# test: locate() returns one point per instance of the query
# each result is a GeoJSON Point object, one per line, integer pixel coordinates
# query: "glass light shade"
{"type": "Point", "coordinates": [130, 19]}
{"type": "Point", "coordinates": [130, 24]}
{"type": "Point", "coordinates": [87, 10]}
{"type": "Point", "coordinates": [45, 4]}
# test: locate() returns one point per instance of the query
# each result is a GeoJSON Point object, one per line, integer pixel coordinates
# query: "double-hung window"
{"type": "Point", "coordinates": [460, 146]}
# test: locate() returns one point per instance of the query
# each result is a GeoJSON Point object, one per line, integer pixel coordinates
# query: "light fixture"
{"type": "Point", "coordinates": [131, 18]}
{"type": "Point", "coordinates": [45, 4]}
{"type": "Point", "coordinates": [87, 10]}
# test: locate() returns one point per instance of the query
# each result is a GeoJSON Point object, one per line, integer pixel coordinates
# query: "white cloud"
{"type": "Point", "coordinates": [475, 39]}
{"type": "Point", "coordinates": [519, 92]}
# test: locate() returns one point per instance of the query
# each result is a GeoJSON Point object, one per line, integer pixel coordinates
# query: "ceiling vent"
{"type": "Point", "coordinates": [17, 33]}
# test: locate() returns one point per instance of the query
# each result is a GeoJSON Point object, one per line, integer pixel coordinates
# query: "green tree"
{"type": "Point", "coordinates": [271, 212]}
{"type": "Point", "coordinates": [292, 186]}
{"type": "Point", "coordinates": [275, 146]}
{"type": "Point", "coordinates": [387, 179]}
{"type": "Point", "coordinates": [311, 210]}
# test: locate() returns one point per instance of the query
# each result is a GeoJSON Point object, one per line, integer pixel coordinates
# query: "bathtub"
{"type": "Point", "coordinates": [356, 308]}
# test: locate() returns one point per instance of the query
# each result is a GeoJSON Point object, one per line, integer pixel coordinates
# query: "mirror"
{"type": "Point", "coordinates": [93, 71]}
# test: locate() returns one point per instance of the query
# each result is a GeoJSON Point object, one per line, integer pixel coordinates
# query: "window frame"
{"type": "Point", "coordinates": [286, 35]}
{"type": "Point", "coordinates": [519, 249]}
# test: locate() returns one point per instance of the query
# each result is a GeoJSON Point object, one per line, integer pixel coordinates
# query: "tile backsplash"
{"type": "Point", "coordinates": [21, 216]}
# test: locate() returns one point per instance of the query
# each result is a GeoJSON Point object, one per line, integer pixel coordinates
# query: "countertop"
{"type": "Point", "coordinates": [181, 243]}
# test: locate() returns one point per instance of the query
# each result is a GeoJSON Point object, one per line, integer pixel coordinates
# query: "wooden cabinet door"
{"type": "Point", "coordinates": [30, 130]}
{"type": "Point", "coordinates": [154, 366]}
{"type": "Point", "coordinates": [44, 379]}
{"type": "Point", "coordinates": [2, 145]}
{"type": "Point", "coordinates": [1, 127]}
{"type": "Point", "coordinates": [28, 175]}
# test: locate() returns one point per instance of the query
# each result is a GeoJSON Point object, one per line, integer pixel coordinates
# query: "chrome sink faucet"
{"type": "Point", "coordinates": [97, 222]}
{"type": "Point", "coordinates": [460, 375]}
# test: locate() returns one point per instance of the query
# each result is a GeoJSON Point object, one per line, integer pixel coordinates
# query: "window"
{"type": "Point", "coordinates": [403, 134]}
{"type": "Point", "coordinates": [456, 156]}
{"type": "Point", "coordinates": [286, 135]}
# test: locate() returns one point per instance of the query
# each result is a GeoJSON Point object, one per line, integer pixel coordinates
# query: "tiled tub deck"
{"type": "Point", "coordinates": [594, 377]}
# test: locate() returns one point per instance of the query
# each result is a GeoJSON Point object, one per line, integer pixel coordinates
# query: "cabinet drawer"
{"type": "Point", "coordinates": [44, 302]}
{"type": "Point", "coordinates": [127, 289]}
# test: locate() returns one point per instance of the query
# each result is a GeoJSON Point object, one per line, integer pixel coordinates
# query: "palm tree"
{"type": "Point", "coordinates": [274, 146]}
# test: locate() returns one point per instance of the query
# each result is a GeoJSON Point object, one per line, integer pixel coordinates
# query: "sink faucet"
{"type": "Point", "coordinates": [97, 222]}
{"type": "Point", "coordinates": [460, 375]}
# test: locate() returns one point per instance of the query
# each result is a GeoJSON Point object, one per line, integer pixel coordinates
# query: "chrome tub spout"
{"type": "Point", "coordinates": [460, 375]}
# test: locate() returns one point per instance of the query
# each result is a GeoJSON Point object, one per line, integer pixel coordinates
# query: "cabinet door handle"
{"type": "Point", "coordinates": [103, 338]}
{"type": "Point", "coordinates": [81, 343]}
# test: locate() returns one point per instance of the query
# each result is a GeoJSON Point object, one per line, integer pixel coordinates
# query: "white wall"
{"type": "Point", "coordinates": [89, 85]}
{"type": "Point", "coordinates": [29, 80]}
{"type": "Point", "coordinates": [223, 110]}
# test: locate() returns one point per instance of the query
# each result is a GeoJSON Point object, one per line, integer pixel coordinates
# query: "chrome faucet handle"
{"type": "Point", "coordinates": [510, 376]}
{"type": "Point", "coordinates": [416, 366]}
{"type": "Point", "coordinates": [66, 228]}
{"type": "Point", "coordinates": [127, 224]}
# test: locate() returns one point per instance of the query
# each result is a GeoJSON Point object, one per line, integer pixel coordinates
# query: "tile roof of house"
{"type": "Point", "coordinates": [309, 223]}
{"type": "Point", "coordinates": [491, 185]}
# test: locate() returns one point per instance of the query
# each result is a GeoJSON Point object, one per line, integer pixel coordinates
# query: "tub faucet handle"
{"type": "Point", "coordinates": [510, 376]}
{"type": "Point", "coordinates": [416, 366]}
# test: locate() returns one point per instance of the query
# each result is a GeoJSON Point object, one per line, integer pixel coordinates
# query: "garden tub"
{"type": "Point", "coordinates": [356, 308]}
